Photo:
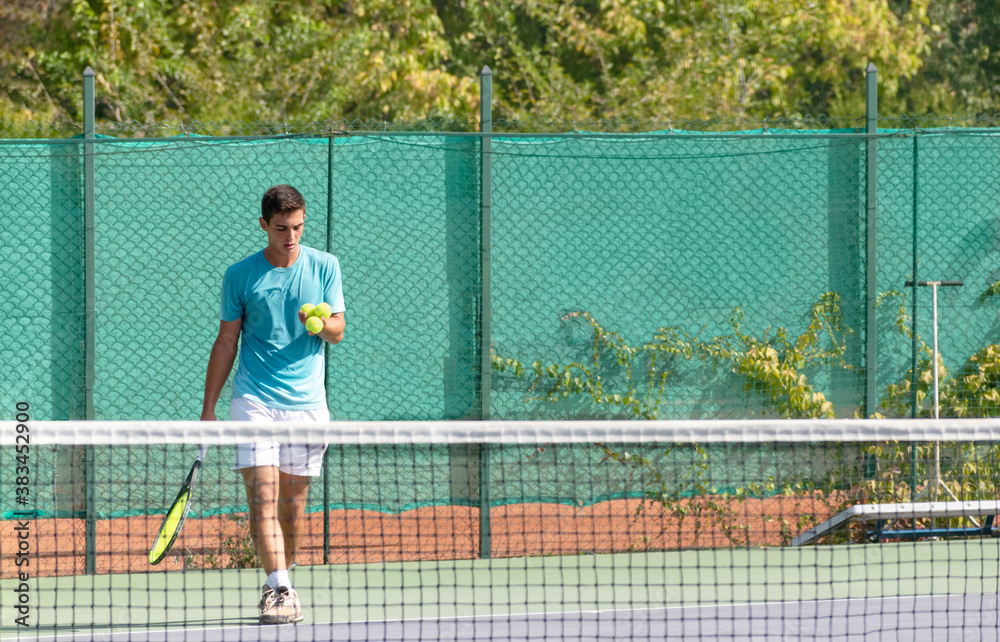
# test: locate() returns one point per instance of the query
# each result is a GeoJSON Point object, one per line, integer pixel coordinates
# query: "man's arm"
{"type": "Point", "coordinates": [220, 364]}
{"type": "Point", "coordinates": [333, 328]}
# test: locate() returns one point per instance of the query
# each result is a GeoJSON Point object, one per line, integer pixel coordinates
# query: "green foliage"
{"type": "Point", "coordinates": [974, 392]}
{"type": "Point", "coordinates": [821, 480]}
{"type": "Point", "coordinates": [760, 513]}
{"type": "Point", "coordinates": [655, 59]}
{"type": "Point", "coordinates": [771, 366]}
{"type": "Point", "coordinates": [691, 501]}
{"type": "Point", "coordinates": [236, 550]}
{"type": "Point", "coordinates": [992, 290]}
{"type": "Point", "coordinates": [630, 380]}
{"type": "Point", "coordinates": [864, 473]}
{"type": "Point", "coordinates": [560, 382]}
{"type": "Point", "coordinates": [960, 61]}
{"type": "Point", "coordinates": [247, 60]}
{"type": "Point", "coordinates": [308, 60]}
{"type": "Point", "coordinates": [967, 469]}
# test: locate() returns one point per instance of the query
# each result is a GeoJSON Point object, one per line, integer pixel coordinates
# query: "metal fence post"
{"type": "Point", "coordinates": [914, 359]}
{"type": "Point", "coordinates": [326, 355]}
{"type": "Point", "coordinates": [90, 470]}
{"type": "Point", "coordinates": [871, 284]}
{"type": "Point", "coordinates": [485, 329]}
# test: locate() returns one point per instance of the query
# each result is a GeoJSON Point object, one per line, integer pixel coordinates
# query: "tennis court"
{"type": "Point", "coordinates": [694, 542]}
{"type": "Point", "coordinates": [913, 591]}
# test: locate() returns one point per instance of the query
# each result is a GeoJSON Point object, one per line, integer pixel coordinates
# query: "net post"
{"type": "Point", "coordinates": [90, 519]}
{"type": "Point", "coordinates": [871, 199]}
{"type": "Point", "coordinates": [485, 312]}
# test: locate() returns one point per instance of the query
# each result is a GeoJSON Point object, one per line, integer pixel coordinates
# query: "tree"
{"type": "Point", "coordinates": [259, 60]}
{"type": "Point", "coordinates": [682, 60]}
{"type": "Point", "coordinates": [23, 92]}
{"type": "Point", "coordinates": [961, 70]}
{"type": "Point", "coordinates": [242, 60]}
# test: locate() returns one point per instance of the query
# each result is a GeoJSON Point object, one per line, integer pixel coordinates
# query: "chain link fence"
{"type": "Point", "coordinates": [657, 264]}
{"type": "Point", "coordinates": [649, 270]}
{"type": "Point", "coordinates": [670, 273]}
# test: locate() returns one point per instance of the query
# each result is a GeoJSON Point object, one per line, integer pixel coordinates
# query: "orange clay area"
{"type": "Point", "coordinates": [56, 546]}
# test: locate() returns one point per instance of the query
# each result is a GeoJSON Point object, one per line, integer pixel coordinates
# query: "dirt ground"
{"type": "Point", "coordinates": [57, 546]}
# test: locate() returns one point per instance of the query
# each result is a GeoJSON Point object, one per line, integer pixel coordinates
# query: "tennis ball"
{"type": "Point", "coordinates": [307, 308]}
{"type": "Point", "coordinates": [323, 310]}
{"type": "Point", "coordinates": [314, 324]}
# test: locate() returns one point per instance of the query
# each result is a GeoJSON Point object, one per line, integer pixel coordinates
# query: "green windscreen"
{"type": "Point", "coordinates": [674, 275]}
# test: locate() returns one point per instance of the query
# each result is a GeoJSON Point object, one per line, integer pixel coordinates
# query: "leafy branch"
{"type": "Point", "coordinates": [771, 365]}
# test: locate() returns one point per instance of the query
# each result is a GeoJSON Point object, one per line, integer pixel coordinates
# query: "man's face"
{"type": "Point", "coordinates": [283, 232]}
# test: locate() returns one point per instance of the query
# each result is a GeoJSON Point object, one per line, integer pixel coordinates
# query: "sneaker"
{"type": "Point", "coordinates": [265, 593]}
{"type": "Point", "coordinates": [293, 600]}
{"type": "Point", "coordinates": [281, 607]}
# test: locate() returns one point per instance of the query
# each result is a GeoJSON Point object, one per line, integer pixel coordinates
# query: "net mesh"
{"type": "Point", "coordinates": [654, 529]}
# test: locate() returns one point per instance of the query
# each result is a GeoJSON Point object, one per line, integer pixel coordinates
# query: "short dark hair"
{"type": "Point", "coordinates": [281, 199]}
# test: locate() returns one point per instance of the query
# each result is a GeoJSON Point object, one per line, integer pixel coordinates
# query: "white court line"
{"type": "Point", "coordinates": [112, 633]}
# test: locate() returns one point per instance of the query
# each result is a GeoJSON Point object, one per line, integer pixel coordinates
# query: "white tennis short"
{"type": "Point", "coordinates": [293, 459]}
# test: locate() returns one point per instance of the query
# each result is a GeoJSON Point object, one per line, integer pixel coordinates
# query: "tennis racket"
{"type": "Point", "coordinates": [174, 520]}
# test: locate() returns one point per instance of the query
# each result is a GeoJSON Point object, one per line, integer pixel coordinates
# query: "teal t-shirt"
{"type": "Point", "coordinates": [280, 365]}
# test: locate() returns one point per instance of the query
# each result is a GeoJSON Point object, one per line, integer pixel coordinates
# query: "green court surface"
{"type": "Point", "coordinates": [566, 584]}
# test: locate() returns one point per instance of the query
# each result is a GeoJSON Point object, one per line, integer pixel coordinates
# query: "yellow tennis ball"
{"type": "Point", "coordinates": [323, 310]}
{"type": "Point", "coordinates": [314, 324]}
{"type": "Point", "coordinates": [307, 309]}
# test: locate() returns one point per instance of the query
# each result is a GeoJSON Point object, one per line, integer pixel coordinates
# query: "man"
{"type": "Point", "coordinates": [279, 378]}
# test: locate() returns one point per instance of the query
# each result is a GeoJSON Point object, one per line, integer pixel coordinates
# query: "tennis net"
{"type": "Point", "coordinates": [728, 530]}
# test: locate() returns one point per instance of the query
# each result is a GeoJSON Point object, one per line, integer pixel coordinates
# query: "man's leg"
{"type": "Point", "coordinates": [292, 496]}
{"type": "Point", "coordinates": [262, 483]}
{"type": "Point", "coordinates": [279, 604]}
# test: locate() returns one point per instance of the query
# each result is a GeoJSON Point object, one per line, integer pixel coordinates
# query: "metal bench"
{"type": "Point", "coordinates": [882, 513]}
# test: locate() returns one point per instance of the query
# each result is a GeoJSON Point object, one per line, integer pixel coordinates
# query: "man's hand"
{"type": "Point", "coordinates": [333, 327]}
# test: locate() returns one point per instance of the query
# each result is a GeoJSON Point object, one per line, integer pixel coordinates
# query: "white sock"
{"type": "Point", "coordinates": [279, 578]}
